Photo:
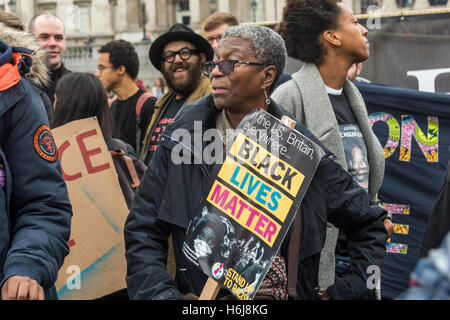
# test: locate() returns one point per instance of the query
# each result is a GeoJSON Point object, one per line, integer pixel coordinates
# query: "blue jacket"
{"type": "Point", "coordinates": [430, 279]}
{"type": "Point", "coordinates": [35, 211]}
{"type": "Point", "coordinates": [170, 196]}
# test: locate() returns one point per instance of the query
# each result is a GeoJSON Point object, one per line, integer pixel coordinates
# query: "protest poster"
{"type": "Point", "coordinates": [414, 130]}
{"type": "Point", "coordinates": [251, 201]}
{"type": "Point", "coordinates": [96, 264]}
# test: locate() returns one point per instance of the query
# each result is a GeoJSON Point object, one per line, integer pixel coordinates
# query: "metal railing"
{"type": "Point", "coordinates": [79, 52]}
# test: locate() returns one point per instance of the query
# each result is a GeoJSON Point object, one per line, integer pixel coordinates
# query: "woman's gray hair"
{"type": "Point", "coordinates": [268, 45]}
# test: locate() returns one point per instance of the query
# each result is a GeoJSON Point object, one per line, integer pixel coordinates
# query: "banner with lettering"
{"type": "Point", "coordinates": [251, 201]}
{"type": "Point", "coordinates": [414, 129]}
{"type": "Point", "coordinates": [96, 264]}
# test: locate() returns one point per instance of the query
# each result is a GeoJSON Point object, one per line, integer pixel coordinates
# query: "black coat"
{"type": "Point", "coordinates": [439, 224]}
{"type": "Point", "coordinates": [55, 76]}
{"type": "Point", "coordinates": [170, 196]}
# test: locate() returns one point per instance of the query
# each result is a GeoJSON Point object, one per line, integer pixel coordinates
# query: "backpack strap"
{"type": "Point", "coordinates": [121, 151]}
{"type": "Point", "coordinates": [120, 145]}
{"type": "Point", "coordinates": [140, 103]}
{"type": "Point", "coordinates": [293, 254]}
{"type": "Point", "coordinates": [132, 170]}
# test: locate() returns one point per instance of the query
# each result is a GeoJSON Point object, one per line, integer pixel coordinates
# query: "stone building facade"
{"type": "Point", "coordinates": [135, 20]}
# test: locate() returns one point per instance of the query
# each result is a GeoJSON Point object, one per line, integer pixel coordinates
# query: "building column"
{"type": "Point", "coordinates": [223, 5]}
{"type": "Point", "coordinates": [133, 14]}
{"type": "Point", "coordinates": [389, 6]}
{"type": "Point", "coordinates": [194, 12]}
{"type": "Point", "coordinates": [422, 5]}
{"type": "Point", "coordinates": [246, 13]}
{"type": "Point", "coordinates": [101, 21]}
{"type": "Point", "coordinates": [66, 10]}
{"type": "Point", "coordinates": [270, 10]}
{"type": "Point", "coordinates": [207, 8]}
{"type": "Point", "coordinates": [164, 13]}
{"type": "Point", "coordinates": [357, 7]}
{"type": "Point", "coordinates": [350, 3]}
{"type": "Point", "coordinates": [273, 10]}
{"type": "Point", "coordinates": [121, 17]}
{"type": "Point", "coordinates": [25, 10]}
{"type": "Point", "coordinates": [279, 4]}
{"type": "Point", "coordinates": [151, 13]}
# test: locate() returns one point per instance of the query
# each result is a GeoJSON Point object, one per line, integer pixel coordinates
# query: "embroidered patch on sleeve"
{"type": "Point", "coordinates": [44, 144]}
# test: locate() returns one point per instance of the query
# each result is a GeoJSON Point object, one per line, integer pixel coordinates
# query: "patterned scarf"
{"type": "Point", "coordinates": [223, 124]}
{"type": "Point", "coordinates": [2, 177]}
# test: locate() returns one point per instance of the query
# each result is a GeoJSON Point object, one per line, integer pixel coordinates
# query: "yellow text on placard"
{"type": "Point", "coordinates": [273, 168]}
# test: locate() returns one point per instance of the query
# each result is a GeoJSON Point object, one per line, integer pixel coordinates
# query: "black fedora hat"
{"type": "Point", "coordinates": [178, 32]}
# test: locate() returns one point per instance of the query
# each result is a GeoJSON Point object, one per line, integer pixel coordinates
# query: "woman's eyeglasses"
{"type": "Point", "coordinates": [184, 54]}
{"type": "Point", "coordinates": [225, 66]}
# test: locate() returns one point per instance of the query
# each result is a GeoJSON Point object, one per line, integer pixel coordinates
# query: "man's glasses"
{"type": "Point", "coordinates": [101, 68]}
{"type": "Point", "coordinates": [225, 66]}
{"type": "Point", "coordinates": [184, 54]}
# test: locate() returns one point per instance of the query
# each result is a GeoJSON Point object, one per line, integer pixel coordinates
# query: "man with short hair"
{"type": "Point", "coordinates": [179, 55]}
{"type": "Point", "coordinates": [216, 24]}
{"type": "Point", "coordinates": [118, 68]}
{"type": "Point", "coordinates": [50, 34]}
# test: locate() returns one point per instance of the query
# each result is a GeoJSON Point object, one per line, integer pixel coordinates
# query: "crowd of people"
{"type": "Point", "coordinates": [216, 79]}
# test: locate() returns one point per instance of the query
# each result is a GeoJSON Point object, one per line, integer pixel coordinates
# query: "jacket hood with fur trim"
{"type": "Point", "coordinates": [39, 74]}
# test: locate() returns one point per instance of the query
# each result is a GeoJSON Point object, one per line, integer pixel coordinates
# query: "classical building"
{"type": "Point", "coordinates": [91, 23]}
{"type": "Point", "coordinates": [135, 20]}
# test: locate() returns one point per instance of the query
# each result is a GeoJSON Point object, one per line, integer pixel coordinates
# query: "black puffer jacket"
{"type": "Point", "coordinates": [170, 196]}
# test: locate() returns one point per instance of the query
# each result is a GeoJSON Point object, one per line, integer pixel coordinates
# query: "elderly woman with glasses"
{"type": "Point", "coordinates": [247, 64]}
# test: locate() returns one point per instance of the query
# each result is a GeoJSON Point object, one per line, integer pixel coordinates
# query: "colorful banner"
{"type": "Point", "coordinates": [96, 264]}
{"type": "Point", "coordinates": [252, 200]}
{"type": "Point", "coordinates": [414, 130]}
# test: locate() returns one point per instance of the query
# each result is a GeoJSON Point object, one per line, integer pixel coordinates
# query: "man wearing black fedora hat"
{"type": "Point", "coordinates": [178, 54]}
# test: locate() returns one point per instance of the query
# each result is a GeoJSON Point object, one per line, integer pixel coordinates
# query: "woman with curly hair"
{"type": "Point", "coordinates": [326, 36]}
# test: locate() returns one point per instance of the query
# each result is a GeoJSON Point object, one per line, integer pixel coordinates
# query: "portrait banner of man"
{"type": "Point", "coordinates": [252, 199]}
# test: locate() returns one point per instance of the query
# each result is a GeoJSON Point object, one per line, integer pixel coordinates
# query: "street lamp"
{"type": "Point", "coordinates": [12, 5]}
{"type": "Point", "coordinates": [254, 5]}
{"type": "Point", "coordinates": [144, 20]}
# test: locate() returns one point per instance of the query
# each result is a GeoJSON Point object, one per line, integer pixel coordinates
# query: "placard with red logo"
{"type": "Point", "coordinates": [251, 201]}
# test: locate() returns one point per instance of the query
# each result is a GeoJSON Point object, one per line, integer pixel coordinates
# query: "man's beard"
{"type": "Point", "coordinates": [186, 86]}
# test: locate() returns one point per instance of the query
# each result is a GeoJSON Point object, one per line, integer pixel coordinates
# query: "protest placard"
{"type": "Point", "coordinates": [251, 202]}
{"type": "Point", "coordinates": [96, 264]}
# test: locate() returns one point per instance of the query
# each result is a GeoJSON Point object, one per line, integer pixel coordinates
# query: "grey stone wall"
{"type": "Point", "coordinates": [84, 59]}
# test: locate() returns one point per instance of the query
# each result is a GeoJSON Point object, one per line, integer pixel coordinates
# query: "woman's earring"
{"type": "Point", "coordinates": [267, 98]}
